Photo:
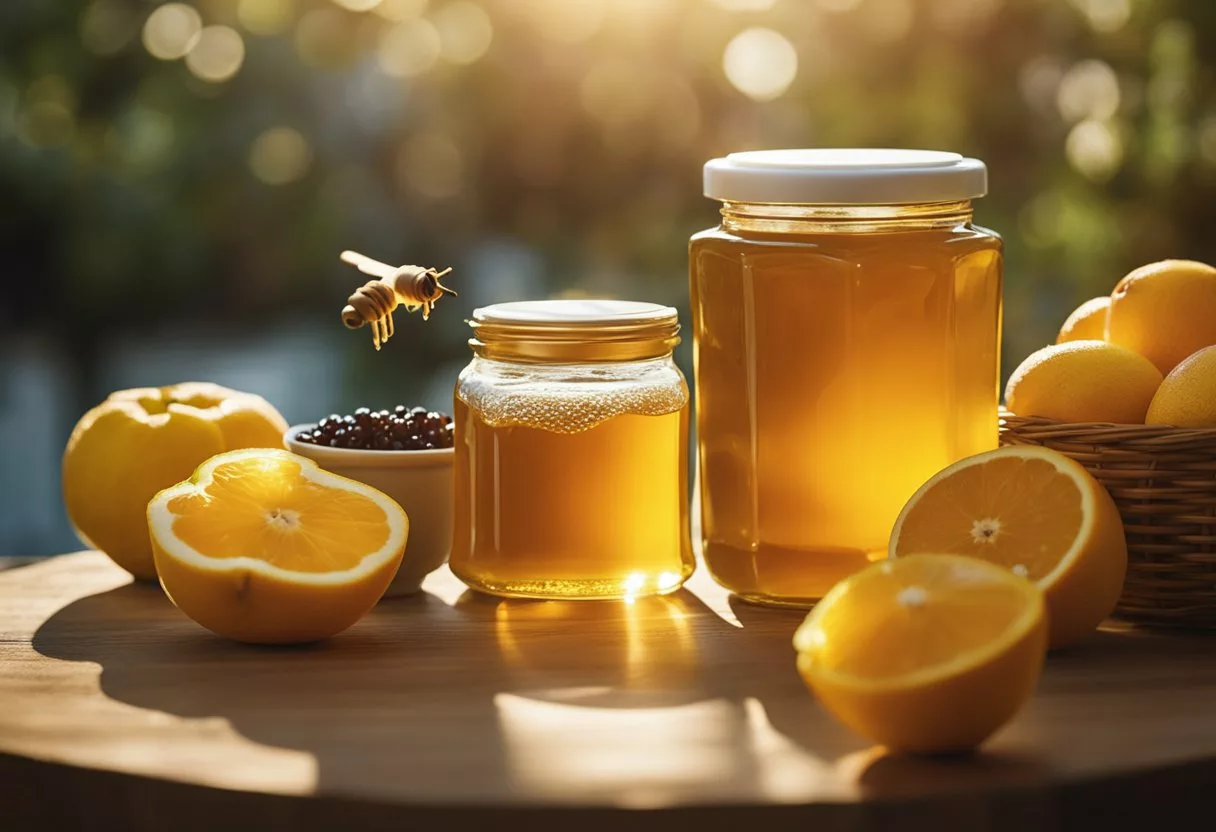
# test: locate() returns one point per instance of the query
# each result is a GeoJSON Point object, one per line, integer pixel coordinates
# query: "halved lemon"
{"type": "Point", "coordinates": [264, 546]}
{"type": "Point", "coordinates": [925, 654]}
{"type": "Point", "coordinates": [1035, 512]}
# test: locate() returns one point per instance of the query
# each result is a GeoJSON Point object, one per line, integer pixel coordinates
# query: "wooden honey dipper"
{"type": "Point", "coordinates": [373, 303]}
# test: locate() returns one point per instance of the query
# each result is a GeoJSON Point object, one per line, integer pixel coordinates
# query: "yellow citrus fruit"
{"type": "Point", "coordinates": [930, 653]}
{"type": "Point", "coordinates": [1086, 323]}
{"type": "Point", "coordinates": [1083, 381]}
{"type": "Point", "coordinates": [1187, 397]}
{"type": "Point", "coordinates": [1165, 311]}
{"type": "Point", "coordinates": [246, 420]}
{"type": "Point", "coordinates": [1035, 512]}
{"type": "Point", "coordinates": [139, 441]}
{"type": "Point", "coordinates": [265, 547]}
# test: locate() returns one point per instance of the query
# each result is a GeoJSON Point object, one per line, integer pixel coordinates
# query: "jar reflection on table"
{"type": "Point", "coordinates": [844, 354]}
{"type": "Point", "coordinates": [571, 453]}
{"type": "Point", "coordinates": [634, 654]}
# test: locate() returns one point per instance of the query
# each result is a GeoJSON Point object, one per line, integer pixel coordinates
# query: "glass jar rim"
{"type": "Point", "coordinates": [574, 330]}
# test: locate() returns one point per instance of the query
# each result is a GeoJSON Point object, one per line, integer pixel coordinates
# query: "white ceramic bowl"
{"type": "Point", "coordinates": [420, 481]}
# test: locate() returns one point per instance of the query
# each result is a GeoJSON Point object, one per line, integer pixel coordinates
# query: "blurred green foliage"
{"type": "Point", "coordinates": [140, 195]}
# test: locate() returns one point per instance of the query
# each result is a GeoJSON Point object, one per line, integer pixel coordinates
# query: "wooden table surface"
{"type": "Point", "coordinates": [449, 707]}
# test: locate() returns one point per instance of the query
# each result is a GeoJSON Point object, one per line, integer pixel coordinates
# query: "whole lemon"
{"type": "Point", "coordinates": [1083, 381]}
{"type": "Point", "coordinates": [1187, 397]}
{"type": "Point", "coordinates": [1087, 322]}
{"type": "Point", "coordinates": [137, 442]}
{"type": "Point", "coordinates": [1165, 311]}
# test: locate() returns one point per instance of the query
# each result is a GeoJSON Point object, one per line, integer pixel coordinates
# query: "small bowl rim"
{"type": "Point", "coordinates": [354, 456]}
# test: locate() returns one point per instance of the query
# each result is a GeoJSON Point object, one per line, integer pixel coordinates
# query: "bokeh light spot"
{"type": "Point", "coordinates": [8, 108]}
{"type": "Point", "coordinates": [106, 26]}
{"type": "Point", "coordinates": [1039, 82]}
{"type": "Point", "coordinates": [745, 5]}
{"type": "Point", "coordinates": [1173, 44]}
{"type": "Point", "coordinates": [217, 55]}
{"type": "Point", "coordinates": [171, 31]}
{"type": "Point", "coordinates": [324, 39]}
{"type": "Point", "coordinates": [279, 155]}
{"type": "Point", "coordinates": [617, 92]}
{"type": "Point", "coordinates": [142, 138]}
{"type": "Point", "coordinates": [54, 89]}
{"type": "Point", "coordinates": [1089, 89]}
{"type": "Point", "coordinates": [358, 5]}
{"type": "Point", "coordinates": [1207, 140]}
{"type": "Point", "coordinates": [47, 119]}
{"type": "Point", "coordinates": [399, 10]}
{"type": "Point", "coordinates": [963, 16]}
{"type": "Point", "coordinates": [679, 112]}
{"type": "Point", "coordinates": [410, 48]}
{"type": "Point", "coordinates": [46, 124]}
{"type": "Point", "coordinates": [888, 21]}
{"type": "Point", "coordinates": [565, 21]}
{"type": "Point", "coordinates": [838, 5]}
{"type": "Point", "coordinates": [1041, 220]}
{"type": "Point", "coordinates": [430, 165]}
{"type": "Point", "coordinates": [1105, 15]}
{"type": "Point", "coordinates": [760, 63]}
{"type": "Point", "coordinates": [636, 21]}
{"type": "Point", "coordinates": [1094, 149]}
{"type": "Point", "coordinates": [465, 31]}
{"type": "Point", "coordinates": [265, 17]}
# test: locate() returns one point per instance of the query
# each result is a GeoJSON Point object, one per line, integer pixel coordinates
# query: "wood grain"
{"type": "Point", "coordinates": [118, 712]}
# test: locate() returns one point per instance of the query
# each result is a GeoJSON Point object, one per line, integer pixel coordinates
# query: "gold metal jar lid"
{"type": "Point", "coordinates": [571, 331]}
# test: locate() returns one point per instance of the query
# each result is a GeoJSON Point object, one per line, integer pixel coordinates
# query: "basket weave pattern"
{"type": "Point", "coordinates": [1163, 480]}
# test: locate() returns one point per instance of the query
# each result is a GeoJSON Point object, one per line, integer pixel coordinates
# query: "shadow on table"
{"type": "Point", "coordinates": [603, 701]}
{"type": "Point", "coordinates": [593, 700]}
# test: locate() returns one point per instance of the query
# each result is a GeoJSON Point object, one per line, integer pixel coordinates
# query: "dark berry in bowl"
{"type": "Point", "coordinates": [399, 429]}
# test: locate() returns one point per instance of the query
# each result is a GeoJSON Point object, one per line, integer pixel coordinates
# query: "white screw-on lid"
{"type": "Point", "coordinates": [573, 312]}
{"type": "Point", "coordinates": [845, 176]}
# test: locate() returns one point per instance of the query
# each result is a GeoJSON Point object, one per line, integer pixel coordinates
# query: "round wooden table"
{"type": "Point", "coordinates": [452, 708]}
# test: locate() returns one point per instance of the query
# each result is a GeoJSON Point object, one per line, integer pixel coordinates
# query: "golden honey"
{"type": "Point", "coordinates": [843, 356]}
{"type": "Point", "coordinates": [571, 478]}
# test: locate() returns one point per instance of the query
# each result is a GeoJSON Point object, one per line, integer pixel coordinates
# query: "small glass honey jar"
{"type": "Point", "coordinates": [572, 452]}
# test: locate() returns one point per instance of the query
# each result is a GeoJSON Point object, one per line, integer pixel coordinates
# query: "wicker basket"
{"type": "Point", "coordinates": [1163, 480]}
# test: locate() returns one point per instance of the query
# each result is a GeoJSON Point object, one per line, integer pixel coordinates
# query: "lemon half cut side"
{"type": "Point", "coordinates": [264, 546]}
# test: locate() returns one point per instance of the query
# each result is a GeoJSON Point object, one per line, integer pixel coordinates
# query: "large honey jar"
{"type": "Point", "coordinates": [847, 318]}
